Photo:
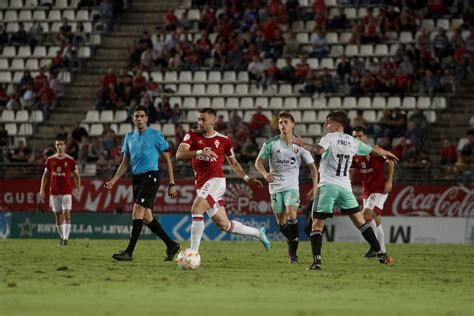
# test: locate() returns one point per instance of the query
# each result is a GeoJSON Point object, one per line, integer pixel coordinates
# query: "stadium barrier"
{"type": "Point", "coordinates": [428, 230]}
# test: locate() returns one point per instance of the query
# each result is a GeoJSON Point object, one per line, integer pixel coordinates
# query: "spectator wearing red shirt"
{"type": "Point", "coordinates": [208, 19]}
{"type": "Point", "coordinates": [318, 6]}
{"type": "Point", "coordinates": [204, 46]}
{"type": "Point", "coordinates": [449, 154]}
{"type": "Point", "coordinates": [301, 69]}
{"type": "Point", "coordinates": [138, 83]}
{"type": "Point", "coordinates": [259, 123]}
{"type": "Point", "coordinates": [402, 82]}
{"type": "Point", "coordinates": [41, 79]}
{"type": "Point", "coordinates": [170, 21]}
{"type": "Point", "coordinates": [368, 82]}
{"type": "Point", "coordinates": [269, 28]}
{"type": "Point", "coordinates": [109, 78]}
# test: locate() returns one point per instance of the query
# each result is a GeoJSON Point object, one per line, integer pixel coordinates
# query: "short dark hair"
{"type": "Point", "coordinates": [470, 132]}
{"type": "Point", "coordinates": [286, 115]}
{"type": "Point", "coordinates": [60, 138]}
{"type": "Point", "coordinates": [141, 108]}
{"type": "Point", "coordinates": [360, 129]}
{"type": "Point", "coordinates": [339, 117]}
{"type": "Point", "coordinates": [208, 110]}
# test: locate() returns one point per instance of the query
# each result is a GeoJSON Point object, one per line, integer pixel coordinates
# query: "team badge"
{"type": "Point", "coordinates": [217, 143]}
{"type": "Point", "coordinates": [296, 150]}
{"type": "Point", "coordinates": [65, 164]}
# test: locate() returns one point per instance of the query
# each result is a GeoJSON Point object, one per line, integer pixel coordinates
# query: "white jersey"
{"type": "Point", "coordinates": [336, 161]}
{"type": "Point", "coordinates": [284, 160]}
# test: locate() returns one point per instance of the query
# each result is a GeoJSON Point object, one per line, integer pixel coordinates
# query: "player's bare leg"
{"type": "Point", "coordinates": [236, 227]}
{"type": "Point", "coordinates": [58, 217]}
{"type": "Point", "coordinates": [66, 226]}
{"type": "Point", "coordinates": [138, 214]}
{"type": "Point", "coordinates": [369, 235]}
{"type": "Point", "coordinates": [369, 218]}
{"type": "Point", "coordinates": [316, 239]}
{"type": "Point", "coordinates": [172, 248]}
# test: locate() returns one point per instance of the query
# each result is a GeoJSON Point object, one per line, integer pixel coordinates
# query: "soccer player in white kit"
{"type": "Point", "coordinates": [208, 150]}
{"type": "Point", "coordinates": [335, 190]}
{"type": "Point", "coordinates": [284, 159]}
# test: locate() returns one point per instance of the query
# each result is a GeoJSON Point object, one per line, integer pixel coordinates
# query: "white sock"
{"type": "Point", "coordinates": [381, 237]}
{"type": "Point", "coordinates": [197, 229]}
{"type": "Point", "coordinates": [67, 230]}
{"type": "Point", "coordinates": [59, 228]}
{"type": "Point", "coordinates": [374, 228]}
{"type": "Point", "coordinates": [63, 230]}
{"type": "Point", "coordinates": [240, 229]}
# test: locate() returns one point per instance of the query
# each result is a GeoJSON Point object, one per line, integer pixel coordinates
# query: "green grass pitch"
{"type": "Point", "coordinates": [235, 278]}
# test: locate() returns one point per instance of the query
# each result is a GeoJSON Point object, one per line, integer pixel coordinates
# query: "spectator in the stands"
{"type": "Point", "coordinates": [208, 19]}
{"type": "Point", "coordinates": [25, 80]}
{"type": "Point", "coordinates": [248, 151]}
{"type": "Point", "coordinates": [309, 84]}
{"type": "Point", "coordinates": [302, 68]}
{"type": "Point", "coordinates": [320, 46]}
{"type": "Point", "coordinates": [170, 21]}
{"type": "Point", "coordinates": [259, 124]}
{"type": "Point", "coordinates": [147, 59]}
{"type": "Point", "coordinates": [21, 153]}
{"type": "Point", "coordinates": [106, 12]}
{"type": "Point", "coordinates": [235, 121]}
{"type": "Point", "coordinates": [109, 139]}
{"type": "Point", "coordinates": [177, 113]}
{"type": "Point", "coordinates": [165, 113]}
{"type": "Point", "coordinates": [448, 154]}
{"type": "Point", "coordinates": [70, 57]}
{"type": "Point", "coordinates": [109, 78]}
{"type": "Point", "coordinates": [14, 101]}
{"type": "Point", "coordinates": [3, 96]}
{"type": "Point", "coordinates": [20, 37]}
{"type": "Point", "coordinates": [339, 21]}
{"type": "Point", "coordinates": [292, 46]}
{"type": "Point", "coordinates": [256, 70]}
{"type": "Point", "coordinates": [401, 82]}
{"type": "Point", "coordinates": [430, 83]}
{"type": "Point", "coordinates": [35, 35]}
{"type": "Point", "coordinates": [3, 138]}
{"type": "Point", "coordinates": [79, 36]}
{"type": "Point", "coordinates": [138, 83]}
{"type": "Point", "coordinates": [41, 79]}
{"type": "Point", "coordinates": [3, 37]}
{"type": "Point", "coordinates": [65, 34]}
{"type": "Point", "coordinates": [78, 131]}
{"type": "Point", "coordinates": [441, 45]}
{"type": "Point", "coordinates": [404, 149]}
{"type": "Point", "coordinates": [95, 149]}
{"type": "Point", "coordinates": [287, 72]}
{"type": "Point", "coordinates": [29, 96]}
{"type": "Point", "coordinates": [467, 151]}
{"type": "Point", "coordinates": [221, 124]}
{"type": "Point", "coordinates": [344, 69]}
{"type": "Point", "coordinates": [359, 120]}
{"type": "Point", "coordinates": [368, 83]}
{"type": "Point", "coordinates": [354, 83]}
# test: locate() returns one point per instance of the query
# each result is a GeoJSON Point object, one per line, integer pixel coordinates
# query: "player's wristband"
{"type": "Point", "coordinates": [170, 185]}
{"type": "Point", "coordinates": [198, 152]}
{"type": "Point", "coordinates": [246, 178]}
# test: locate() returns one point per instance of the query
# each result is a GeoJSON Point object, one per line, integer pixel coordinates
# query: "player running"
{"type": "Point", "coordinates": [207, 149]}
{"type": "Point", "coordinates": [338, 150]}
{"type": "Point", "coordinates": [58, 170]}
{"type": "Point", "coordinates": [375, 187]}
{"type": "Point", "coordinates": [284, 160]}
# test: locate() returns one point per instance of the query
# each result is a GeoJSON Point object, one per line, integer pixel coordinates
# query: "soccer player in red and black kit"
{"type": "Point", "coordinates": [375, 187]}
{"type": "Point", "coordinates": [208, 150]}
{"type": "Point", "coordinates": [58, 170]}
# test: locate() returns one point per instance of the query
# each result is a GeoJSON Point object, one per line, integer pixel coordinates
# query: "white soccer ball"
{"type": "Point", "coordinates": [189, 259]}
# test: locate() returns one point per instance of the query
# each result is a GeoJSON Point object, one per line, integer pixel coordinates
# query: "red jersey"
{"type": "Point", "coordinates": [371, 169]}
{"type": "Point", "coordinates": [61, 170]}
{"type": "Point", "coordinates": [204, 168]}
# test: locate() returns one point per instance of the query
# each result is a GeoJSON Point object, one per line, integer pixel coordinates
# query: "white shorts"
{"type": "Point", "coordinates": [213, 191]}
{"type": "Point", "coordinates": [60, 203]}
{"type": "Point", "coordinates": [375, 202]}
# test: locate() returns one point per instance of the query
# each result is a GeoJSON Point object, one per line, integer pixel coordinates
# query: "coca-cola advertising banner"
{"type": "Point", "coordinates": [240, 198]}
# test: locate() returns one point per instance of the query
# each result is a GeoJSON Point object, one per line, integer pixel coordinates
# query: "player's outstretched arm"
{"type": "Point", "coordinates": [382, 152]}
{"type": "Point", "coordinates": [239, 171]}
{"type": "Point", "coordinates": [44, 181]}
{"type": "Point", "coordinates": [122, 169]}
{"type": "Point", "coordinates": [184, 152]}
{"type": "Point", "coordinates": [259, 165]}
{"type": "Point", "coordinates": [169, 169]}
{"type": "Point", "coordinates": [317, 149]}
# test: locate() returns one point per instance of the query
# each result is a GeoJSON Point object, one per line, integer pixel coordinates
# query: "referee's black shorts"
{"type": "Point", "coordinates": [145, 187]}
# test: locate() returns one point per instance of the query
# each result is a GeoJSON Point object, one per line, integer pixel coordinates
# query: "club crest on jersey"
{"type": "Point", "coordinates": [217, 143]}
{"type": "Point", "coordinates": [65, 164]}
{"type": "Point", "coordinates": [296, 150]}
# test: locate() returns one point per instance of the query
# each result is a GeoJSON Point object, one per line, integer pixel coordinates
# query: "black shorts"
{"type": "Point", "coordinates": [145, 187]}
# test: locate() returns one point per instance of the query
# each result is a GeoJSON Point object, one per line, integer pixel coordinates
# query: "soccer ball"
{"type": "Point", "coordinates": [189, 259]}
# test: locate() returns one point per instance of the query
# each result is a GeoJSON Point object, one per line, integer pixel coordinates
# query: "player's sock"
{"type": "Point", "coordinates": [284, 230]}
{"type": "Point", "coordinates": [381, 237]}
{"type": "Point", "coordinates": [158, 230]}
{"type": "Point", "coordinates": [293, 235]}
{"type": "Point", "coordinates": [373, 225]}
{"type": "Point", "coordinates": [240, 229]}
{"type": "Point", "coordinates": [316, 238]}
{"type": "Point", "coordinates": [197, 229]}
{"type": "Point", "coordinates": [136, 231]}
{"type": "Point", "coordinates": [369, 235]}
{"type": "Point", "coordinates": [63, 229]}
{"type": "Point", "coordinates": [67, 229]}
